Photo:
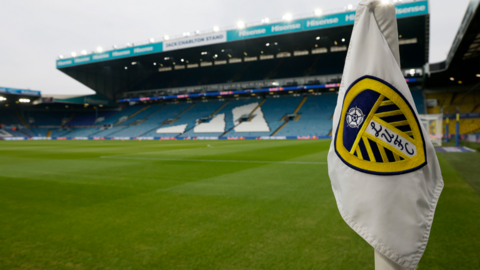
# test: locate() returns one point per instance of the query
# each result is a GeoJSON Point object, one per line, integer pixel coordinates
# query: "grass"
{"type": "Point", "coordinates": [198, 205]}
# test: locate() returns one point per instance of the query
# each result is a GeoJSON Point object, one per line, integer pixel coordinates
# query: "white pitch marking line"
{"type": "Point", "coordinates": [217, 160]}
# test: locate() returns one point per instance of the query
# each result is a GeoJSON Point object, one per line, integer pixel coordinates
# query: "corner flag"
{"type": "Point", "coordinates": [384, 172]}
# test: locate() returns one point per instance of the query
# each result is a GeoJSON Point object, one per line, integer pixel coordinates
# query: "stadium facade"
{"type": "Point", "coordinates": [260, 80]}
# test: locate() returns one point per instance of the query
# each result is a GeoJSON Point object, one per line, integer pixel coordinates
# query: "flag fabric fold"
{"type": "Point", "coordinates": [383, 168]}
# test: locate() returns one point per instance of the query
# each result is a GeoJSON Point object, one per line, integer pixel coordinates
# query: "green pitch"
{"type": "Point", "coordinates": [201, 205]}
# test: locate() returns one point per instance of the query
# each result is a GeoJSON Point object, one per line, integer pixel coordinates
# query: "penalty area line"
{"type": "Point", "coordinates": [216, 160]}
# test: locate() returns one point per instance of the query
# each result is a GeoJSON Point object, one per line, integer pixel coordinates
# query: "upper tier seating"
{"type": "Point", "coordinates": [88, 118]}
{"type": "Point", "coordinates": [9, 117]}
{"type": "Point", "coordinates": [47, 117]}
{"type": "Point", "coordinates": [245, 71]}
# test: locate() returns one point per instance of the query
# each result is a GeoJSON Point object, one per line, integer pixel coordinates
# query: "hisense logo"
{"type": "Point", "coordinates": [67, 62]}
{"type": "Point", "coordinates": [313, 23]}
{"type": "Point", "coordinates": [120, 53]}
{"type": "Point", "coordinates": [81, 60]}
{"type": "Point", "coordinates": [144, 49]}
{"type": "Point", "coordinates": [100, 56]}
{"type": "Point", "coordinates": [279, 28]}
{"type": "Point", "coordinates": [411, 9]}
{"type": "Point", "coordinates": [245, 33]}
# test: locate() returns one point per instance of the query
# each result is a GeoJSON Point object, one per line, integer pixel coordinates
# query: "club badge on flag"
{"type": "Point", "coordinates": [382, 165]}
{"type": "Point", "coordinates": [379, 126]}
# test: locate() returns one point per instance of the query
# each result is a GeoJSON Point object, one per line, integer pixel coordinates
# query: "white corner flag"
{"type": "Point", "coordinates": [384, 172]}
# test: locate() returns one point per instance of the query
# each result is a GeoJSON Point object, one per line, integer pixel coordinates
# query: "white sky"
{"type": "Point", "coordinates": [35, 32]}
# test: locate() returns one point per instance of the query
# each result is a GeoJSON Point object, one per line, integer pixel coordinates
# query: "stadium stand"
{"type": "Point", "coordinates": [87, 118]}
{"type": "Point", "coordinates": [271, 115]}
{"type": "Point", "coordinates": [15, 132]}
{"type": "Point", "coordinates": [315, 117]}
{"type": "Point", "coordinates": [449, 102]}
{"type": "Point", "coordinates": [282, 84]}
{"type": "Point", "coordinates": [46, 117]}
{"type": "Point", "coordinates": [9, 117]}
{"type": "Point", "coordinates": [245, 71]}
{"type": "Point", "coordinates": [40, 132]}
{"type": "Point", "coordinates": [468, 105]}
{"type": "Point", "coordinates": [160, 119]}
{"type": "Point", "coordinates": [274, 108]}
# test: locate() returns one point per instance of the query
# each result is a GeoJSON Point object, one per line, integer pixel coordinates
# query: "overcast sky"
{"type": "Point", "coordinates": [33, 33]}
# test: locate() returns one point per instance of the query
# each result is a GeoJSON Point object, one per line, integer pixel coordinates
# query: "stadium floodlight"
{"type": "Point", "coordinates": [60, 56]}
{"type": "Point", "coordinates": [126, 67]}
{"type": "Point", "coordinates": [452, 79]}
{"type": "Point", "coordinates": [3, 98]}
{"type": "Point", "coordinates": [317, 38]}
{"type": "Point", "coordinates": [73, 54]}
{"type": "Point", "coordinates": [152, 40]}
{"type": "Point", "coordinates": [350, 7]}
{"type": "Point", "coordinates": [166, 58]}
{"type": "Point", "coordinates": [24, 100]}
{"type": "Point", "coordinates": [182, 60]}
{"type": "Point", "coordinates": [216, 29]}
{"type": "Point", "coordinates": [265, 20]}
{"type": "Point", "coordinates": [166, 37]}
{"type": "Point", "coordinates": [343, 40]}
{"type": "Point", "coordinates": [287, 17]}
{"type": "Point", "coordinates": [241, 25]}
{"type": "Point", "coordinates": [317, 12]}
{"type": "Point", "coordinates": [267, 44]}
{"type": "Point", "coordinates": [154, 63]}
{"type": "Point", "coordinates": [134, 63]}
{"type": "Point", "coordinates": [84, 52]}
{"type": "Point", "coordinates": [99, 49]}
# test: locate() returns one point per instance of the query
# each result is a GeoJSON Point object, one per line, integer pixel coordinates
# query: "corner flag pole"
{"type": "Point", "coordinates": [383, 263]}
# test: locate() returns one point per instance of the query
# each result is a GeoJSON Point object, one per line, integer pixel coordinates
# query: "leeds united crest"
{"type": "Point", "coordinates": [378, 131]}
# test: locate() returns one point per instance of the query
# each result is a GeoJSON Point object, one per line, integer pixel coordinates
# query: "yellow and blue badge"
{"type": "Point", "coordinates": [378, 131]}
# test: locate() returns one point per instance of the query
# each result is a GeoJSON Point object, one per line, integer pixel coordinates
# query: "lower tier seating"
{"type": "Point", "coordinates": [298, 115]}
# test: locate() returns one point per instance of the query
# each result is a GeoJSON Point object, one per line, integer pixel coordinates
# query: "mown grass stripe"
{"type": "Point", "coordinates": [216, 160]}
